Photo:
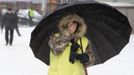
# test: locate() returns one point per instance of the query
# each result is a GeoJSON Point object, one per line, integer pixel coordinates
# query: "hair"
{"type": "Point", "coordinates": [74, 18]}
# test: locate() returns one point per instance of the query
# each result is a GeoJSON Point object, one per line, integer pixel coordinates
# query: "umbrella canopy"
{"type": "Point", "coordinates": [107, 28]}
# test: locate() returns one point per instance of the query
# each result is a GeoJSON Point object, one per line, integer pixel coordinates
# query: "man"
{"type": "Point", "coordinates": [16, 18]}
{"type": "Point", "coordinates": [8, 24]}
{"type": "Point", "coordinates": [31, 15]}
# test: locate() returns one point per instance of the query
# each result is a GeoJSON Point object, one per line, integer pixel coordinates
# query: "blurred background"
{"type": "Point", "coordinates": [40, 8]}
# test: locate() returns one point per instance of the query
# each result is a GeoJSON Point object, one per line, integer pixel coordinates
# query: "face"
{"type": "Point", "coordinates": [72, 27]}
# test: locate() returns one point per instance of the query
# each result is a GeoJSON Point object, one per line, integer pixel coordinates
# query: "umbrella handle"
{"type": "Point", "coordinates": [81, 45]}
{"type": "Point", "coordinates": [85, 69]}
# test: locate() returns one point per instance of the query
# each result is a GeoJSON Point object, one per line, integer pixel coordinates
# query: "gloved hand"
{"type": "Point", "coordinates": [72, 57]}
{"type": "Point", "coordinates": [74, 48]}
{"type": "Point", "coordinates": [84, 58]}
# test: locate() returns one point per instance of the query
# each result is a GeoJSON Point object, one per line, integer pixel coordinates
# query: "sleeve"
{"type": "Point", "coordinates": [3, 21]}
{"type": "Point", "coordinates": [91, 55]}
{"type": "Point", "coordinates": [57, 43]}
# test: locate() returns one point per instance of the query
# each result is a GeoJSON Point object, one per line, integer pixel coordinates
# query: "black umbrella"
{"type": "Point", "coordinates": [107, 28]}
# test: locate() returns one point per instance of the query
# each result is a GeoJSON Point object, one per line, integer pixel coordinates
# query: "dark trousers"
{"type": "Point", "coordinates": [17, 30]}
{"type": "Point", "coordinates": [9, 36]}
{"type": "Point", "coordinates": [31, 21]}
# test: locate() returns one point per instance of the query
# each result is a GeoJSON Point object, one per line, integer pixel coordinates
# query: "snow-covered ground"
{"type": "Point", "coordinates": [19, 59]}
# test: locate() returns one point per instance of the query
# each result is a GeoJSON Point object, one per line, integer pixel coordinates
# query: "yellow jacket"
{"type": "Point", "coordinates": [60, 65]}
{"type": "Point", "coordinates": [31, 13]}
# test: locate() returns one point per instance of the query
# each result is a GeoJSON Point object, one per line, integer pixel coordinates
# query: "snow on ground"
{"type": "Point", "coordinates": [19, 59]}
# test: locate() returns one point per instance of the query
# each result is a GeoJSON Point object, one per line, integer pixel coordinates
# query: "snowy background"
{"type": "Point", "coordinates": [19, 59]}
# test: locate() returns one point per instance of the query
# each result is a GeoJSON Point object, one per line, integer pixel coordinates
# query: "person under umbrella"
{"type": "Point", "coordinates": [106, 33]}
{"type": "Point", "coordinates": [71, 51]}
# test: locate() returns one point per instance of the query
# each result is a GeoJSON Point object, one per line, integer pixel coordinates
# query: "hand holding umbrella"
{"type": "Point", "coordinates": [73, 54]}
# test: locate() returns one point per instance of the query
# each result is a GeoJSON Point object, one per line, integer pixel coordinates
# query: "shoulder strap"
{"type": "Point", "coordinates": [85, 68]}
{"type": "Point", "coordinates": [81, 45]}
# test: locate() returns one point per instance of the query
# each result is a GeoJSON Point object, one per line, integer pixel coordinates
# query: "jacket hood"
{"type": "Point", "coordinates": [80, 31]}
